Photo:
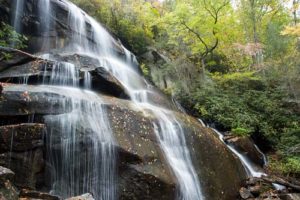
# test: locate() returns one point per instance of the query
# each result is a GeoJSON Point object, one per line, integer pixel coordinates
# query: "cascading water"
{"type": "Point", "coordinates": [45, 14]}
{"type": "Point", "coordinates": [18, 6]}
{"type": "Point", "coordinates": [75, 170]}
{"type": "Point", "coordinates": [172, 140]}
{"type": "Point", "coordinates": [250, 168]}
{"type": "Point", "coordinates": [169, 130]}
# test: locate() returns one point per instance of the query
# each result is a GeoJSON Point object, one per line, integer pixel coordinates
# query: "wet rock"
{"type": "Point", "coordinates": [5, 174]}
{"type": "Point", "coordinates": [21, 137]}
{"type": "Point", "coordinates": [87, 196]}
{"type": "Point", "coordinates": [104, 81]}
{"type": "Point", "coordinates": [11, 57]}
{"type": "Point", "coordinates": [290, 196]}
{"type": "Point", "coordinates": [221, 173]}
{"type": "Point", "coordinates": [255, 190]}
{"type": "Point", "coordinates": [57, 37]}
{"type": "Point", "coordinates": [28, 167]}
{"type": "Point", "coordinates": [19, 100]}
{"type": "Point", "coordinates": [8, 191]}
{"type": "Point", "coordinates": [245, 193]}
{"type": "Point", "coordinates": [136, 184]}
{"type": "Point", "coordinates": [31, 194]}
{"type": "Point", "coordinates": [33, 72]}
{"type": "Point", "coordinates": [39, 71]}
{"type": "Point", "coordinates": [246, 145]}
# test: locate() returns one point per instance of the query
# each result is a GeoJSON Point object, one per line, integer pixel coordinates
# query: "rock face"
{"type": "Point", "coordinates": [32, 24]}
{"type": "Point", "coordinates": [29, 101]}
{"type": "Point", "coordinates": [7, 190]}
{"type": "Point", "coordinates": [38, 71]}
{"type": "Point", "coordinates": [144, 172]}
{"type": "Point", "coordinates": [264, 188]}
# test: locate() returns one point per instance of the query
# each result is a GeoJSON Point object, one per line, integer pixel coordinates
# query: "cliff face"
{"type": "Point", "coordinates": [55, 135]}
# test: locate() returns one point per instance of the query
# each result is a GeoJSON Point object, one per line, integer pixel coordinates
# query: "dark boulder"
{"type": "Point", "coordinates": [104, 81]}
{"type": "Point", "coordinates": [6, 174]}
{"type": "Point", "coordinates": [17, 100]}
{"type": "Point", "coordinates": [290, 196]}
{"type": "Point", "coordinates": [86, 196]}
{"type": "Point", "coordinates": [26, 194]}
{"type": "Point", "coordinates": [38, 71]}
{"type": "Point", "coordinates": [246, 146]}
{"type": "Point", "coordinates": [245, 193]}
{"type": "Point", "coordinates": [27, 165]}
{"type": "Point", "coordinates": [11, 57]}
{"type": "Point", "coordinates": [21, 137]}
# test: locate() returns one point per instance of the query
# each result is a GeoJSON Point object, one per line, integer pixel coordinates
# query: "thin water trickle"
{"type": "Point", "coordinates": [87, 80]}
{"type": "Point", "coordinates": [251, 170]}
{"type": "Point", "coordinates": [87, 160]}
{"type": "Point", "coordinates": [44, 13]}
{"type": "Point", "coordinates": [19, 6]}
{"type": "Point", "coordinates": [172, 140]}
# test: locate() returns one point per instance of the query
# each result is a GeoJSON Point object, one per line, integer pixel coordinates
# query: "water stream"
{"type": "Point", "coordinates": [251, 169]}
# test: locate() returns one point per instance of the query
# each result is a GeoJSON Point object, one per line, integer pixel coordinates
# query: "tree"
{"type": "Point", "coordinates": [196, 25]}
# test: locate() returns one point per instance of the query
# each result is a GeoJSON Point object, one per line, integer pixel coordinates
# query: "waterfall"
{"type": "Point", "coordinates": [172, 140]}
{"type": "Point", "coordinates": [18, 7]}
{"type": "Point", "coordinates": [16, 18]}
{"type": "Point", "coordinates": [44, 13]}
{"type": "Point", "coordinates": [169, 130]}
{"type": "Point", "coordinates": [250, 168]}
{"type": "Point", "coordinates": [75, 170]}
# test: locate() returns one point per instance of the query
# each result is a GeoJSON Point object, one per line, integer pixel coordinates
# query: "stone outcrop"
{"type": "Point", "coordinates": [34, 70]}
{"type": "Point", "coordinates": [246, 146]}
{"type": "Point", "coordinates": [82, 197]}
{"type": "Point", "coordinates": [264, 188]}
{"type": "Point", "coordinates": [7, 189]}
{"type": "Point", "coordinates": [57, 37]}
{"type": "Point", "coordinates": [21, 137]}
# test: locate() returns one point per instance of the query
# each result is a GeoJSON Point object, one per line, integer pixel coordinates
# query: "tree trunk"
{"type": "Point", "coordinates": [203, 66]}
{"type": "Point", "coordinates": [295, 2]}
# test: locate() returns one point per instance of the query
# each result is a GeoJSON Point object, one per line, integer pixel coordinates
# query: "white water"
{"type": "Point", "coordinates": [250, 168]}
{"type": "Point", "coordinates": [87, 80]}
{"type": "Point", "coordinates": [172, 140]}
{"type": "Point", "coordinates": [62, 73]}
{"type": "Point", "coordinates": [16, 19]}
{"type": "Point", "coordinates": [45, 15]}
{"type": "Point", "coordinates": [88, 168]}
{"type": "Point", "coordinates": [19, 6]}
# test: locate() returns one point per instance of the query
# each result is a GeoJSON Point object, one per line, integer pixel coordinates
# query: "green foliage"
{"type": "Point", "coordinates": [287, 166]}
{"type": "Point", "coordinates": [145, 70]}
{"type": "Point", "coordinates": [10, 38]}
{"type": "Point", "coordinates": [240, 131]}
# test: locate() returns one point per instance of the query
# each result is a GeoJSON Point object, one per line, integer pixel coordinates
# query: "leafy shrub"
{"type": "Point", "coordinates": [10, 38]}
